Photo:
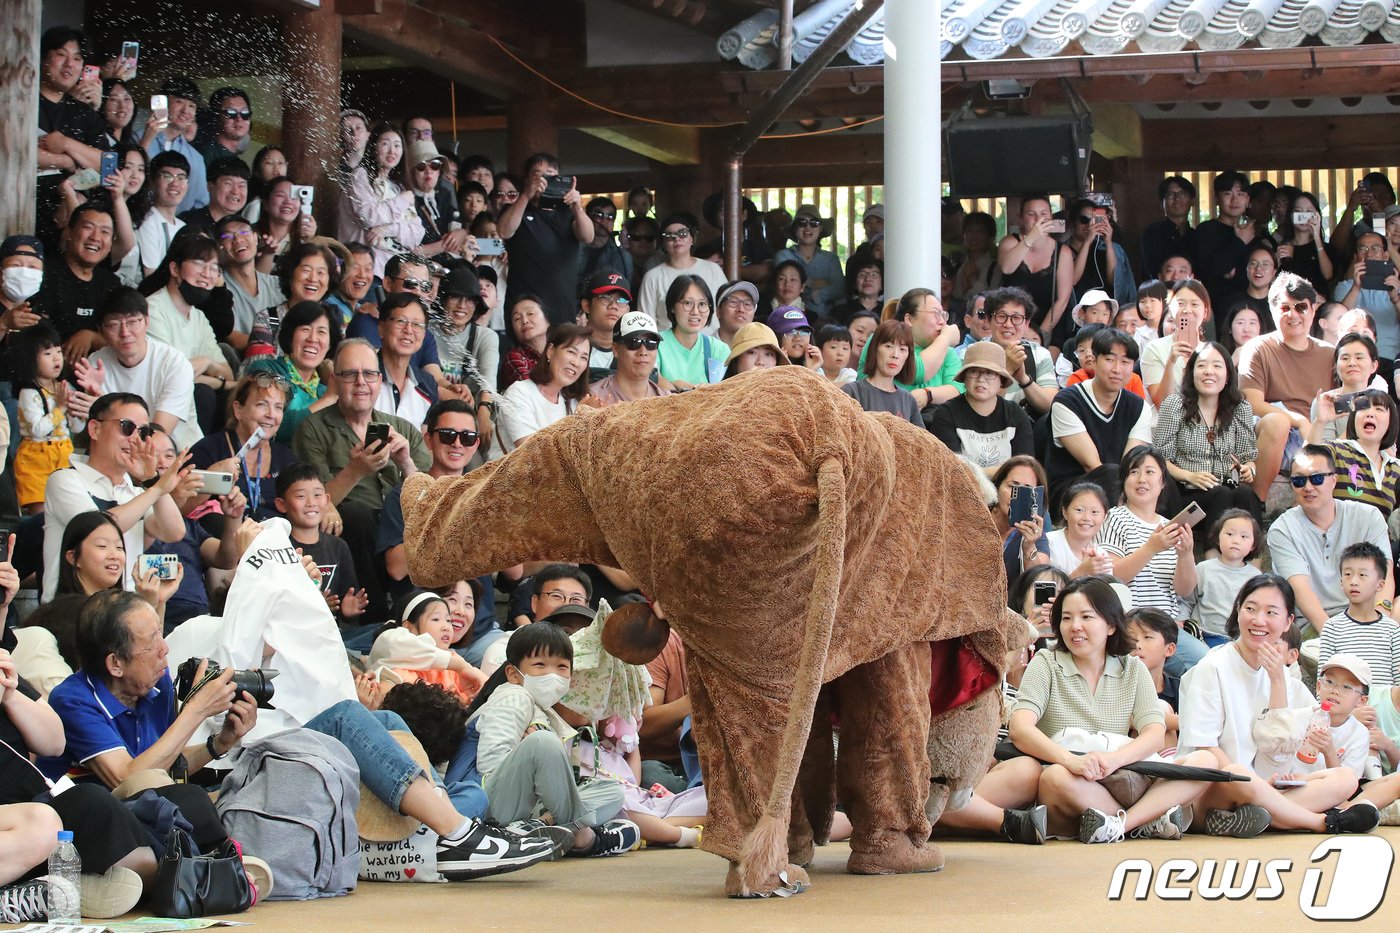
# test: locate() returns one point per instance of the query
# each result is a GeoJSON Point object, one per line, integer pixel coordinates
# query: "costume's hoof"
{"type": "Point", "coordinates": [903, 858]}
{"type": "Point", "coordinates": [786, 883]}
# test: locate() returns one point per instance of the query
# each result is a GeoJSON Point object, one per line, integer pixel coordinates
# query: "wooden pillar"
{"type": "Point", "coordinates": [1135, 196]}
{"type": "Point", "coordinates": [530, 128]}
{"type": "Point", "coordinates": [311, 104]}
{"type": "Point", "coordinates": [19, 96]}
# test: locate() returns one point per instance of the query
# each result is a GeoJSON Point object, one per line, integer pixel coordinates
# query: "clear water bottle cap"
{"type": "Point", "coordinates": [65, 835]}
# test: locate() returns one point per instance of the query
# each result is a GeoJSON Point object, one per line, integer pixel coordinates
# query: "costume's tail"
{"type": "Point", "coordinates": [765, 850]}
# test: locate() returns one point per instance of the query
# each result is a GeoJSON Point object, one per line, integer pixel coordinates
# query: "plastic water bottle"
{"type": "Point", "coordinates": [1321, 718]}
{"type": "Point", "coordinates": [65, 881]}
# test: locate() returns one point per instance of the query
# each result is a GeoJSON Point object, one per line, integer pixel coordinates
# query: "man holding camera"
{"type": "Point", "coordinates": [543, 230]}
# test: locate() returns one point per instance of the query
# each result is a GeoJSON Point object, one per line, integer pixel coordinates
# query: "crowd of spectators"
{"type": "Point", "coordinates": [184, 317]}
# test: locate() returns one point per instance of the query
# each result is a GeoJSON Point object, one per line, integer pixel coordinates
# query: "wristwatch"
{"type": "Point", "coordinates": [210, 748]}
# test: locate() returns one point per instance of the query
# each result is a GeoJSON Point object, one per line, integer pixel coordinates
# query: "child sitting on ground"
{"type": "Point", "coordinates": [1362, 629]}
{"type": "Point", "coordinates": [301, 497]}
{"type": "Point", "coordinates": [1342, 683]}
{"type": "Point", "coordinates": [1153, 634]}
{"type": "Point", "coordinates": [835, 342]}
{"type": "Point", "coordinates": [1236, 536]}
{"type": "Point", "coordinates": [416, 644]}
{"type": "Point", "coordinates": [525, 752]}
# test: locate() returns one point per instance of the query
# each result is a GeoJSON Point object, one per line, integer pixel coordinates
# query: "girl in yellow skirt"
{"type": "Point", "coordinates": [45, 443]}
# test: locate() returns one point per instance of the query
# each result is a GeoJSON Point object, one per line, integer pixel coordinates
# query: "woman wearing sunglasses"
{"type": "Point", "coordinates": [636, 339]}
{"type": "Point", "coordinates": [257, 405]}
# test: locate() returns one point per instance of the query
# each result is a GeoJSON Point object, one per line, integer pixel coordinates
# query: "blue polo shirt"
{"type": "Point", "coordinates": [96, 722]}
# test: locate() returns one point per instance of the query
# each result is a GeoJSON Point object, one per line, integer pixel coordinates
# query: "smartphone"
{"type": "Point", "coordinates": [556, 186]}
{"type": "Point", "coordinates": [91, 72]}
{"type": "Point", "coordinates": [163, 564]}
{"type": "Point", "coordinates": [1100, 212]}
{"type": "Point", "coordinates": [4, 548]}
{"type": "Point", "coordinates": [1378, 223]}
{"type": "Point", "coordinates": [131, 54]}
{"type": "Point", "coordinates": [376, 435]}
{"type": "Point", "coordinates": [251, 443]}
{"type": "Point", "coordinates": [490, 246]}
{"type": "Point", "coordinates": [160, 106]}
{"type": "Point", "coordinates": [1056, 226]}
{"type": "Point", "coordinates": [214, 483]}
{"type": "Point", "coordinates": [1101, 198]}
{"type": "Point", "coordinates": [108, 166]}
{"type": "Point", "coordinates": [1377, 271]}
{"type": "Point", "coordinates": [1352, 401]}
{"type": "Point", "coordinates": [1025, 502]}
{"type": "Point", "coordinates": [1045, 591]}
{"type": "Point", "coordinates": [1189, 516]}
{"type": "Point", "coordinates": [306, 195]}
{"type": "Point", "coordinates": [1302, 218]}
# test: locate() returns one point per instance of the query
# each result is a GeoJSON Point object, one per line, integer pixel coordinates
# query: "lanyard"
{"type": "Point", "coordinates": [254, 482]}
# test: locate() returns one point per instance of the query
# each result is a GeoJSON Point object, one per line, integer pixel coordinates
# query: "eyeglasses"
{"type": "Point", "coordinates": [613, 300]}
{"type": "Point", "coordinates": [1259, 264]}
{"type": "Point", "coordinates": [129, 427]}
{"type": "Point", "coordinates": [636, 343]}
{"type": "Point", "coordinates": [416, 285]}
{"type": "Point", "coordinates": [1177, 194]}
{"type": "Point", "coordinates": [403, 323]}
{"type": "Point", "coordinates": [1375, 249]}
{"type": "Point", "coordinates": [239, 114]}
{"type": "Point", "coordinates": [572, 599]}
{"type": "Point", "coordinates": [1317, 479]}
{"type": "Point", "coordinates": [868, 274]}
{"type": "Point", "coordinates": [169, 177]}
{"type": "Point", "coordinates": [352, 376]}
{"type": "Point", "coordinates": [1326, 681]}
{"type": "Point", "coordinates": [118, 324]}
{"type": "Point", "coordinates": [1302, 307]}
{"type": "Point", "coordinates": [741, 301]}
{"type": "Point", "coordinates": [1001, 317]}
{"type": "Point", "coordinates": [271, 381]}
{"type": "Point", "coordinates": [693, 304]}
{"type": "Point", "coordinates": [450, 436]}
{"type": "Point", "coordinates": [235, 234]}
{"type": "Point", "coordinates": [807, 222]}
{"type": "Point", "coordinates": [673, 237]}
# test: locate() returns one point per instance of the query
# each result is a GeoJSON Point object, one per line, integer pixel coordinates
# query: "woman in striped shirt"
{"type": "Point", "coordinates": [1366, 472]}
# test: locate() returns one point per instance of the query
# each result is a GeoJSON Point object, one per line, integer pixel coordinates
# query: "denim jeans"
{"type": "Point", "coordinates": [385, 768]}
{"type": "Point", "coordinates": [1189, 651]}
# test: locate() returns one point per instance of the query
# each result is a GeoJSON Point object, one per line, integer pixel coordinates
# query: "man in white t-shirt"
{"type": "Point", "coordinates": [120, 457]}
{"type": "Point", "coordinates": [133, 362]}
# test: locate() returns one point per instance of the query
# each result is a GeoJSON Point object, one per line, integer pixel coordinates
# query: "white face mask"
{"type": "Point", "coordinates": [545, 689]}
{"type": "Point", "coordinates": [20, 282]}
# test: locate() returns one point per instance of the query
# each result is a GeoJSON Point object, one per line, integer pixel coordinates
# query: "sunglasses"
{"type": "Point", "coordinates": [642, 239]}
{"type": "Point", "coordinates": [416, 285]}
{"type": "Point", "coordinates": [673, 237]}
{"type": "Point", "coordinates": [271, 381]}
{"type": "Point", "coordinates": [600, 216]}
{"type": "Point", "coordinates": [239, 114]}
{"type": "Point", "coordinates": [424, 166]}
{"type": "Point", "coordinates": [1086, 219]}
{"type": "Point", "coordinates": [450, 436]}
{"type": "Point", "coordinates": [1317, 479]}
{"type": "Point", "coordinates": [637, 343]}
{"type": "Point", "coordinates": [807, 222]}
{"type": "Point", "coordinates": [129, 427]}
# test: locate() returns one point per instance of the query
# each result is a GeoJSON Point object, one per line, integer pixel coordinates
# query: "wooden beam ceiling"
{"type": "Point", "coordinates": [1271, 142]}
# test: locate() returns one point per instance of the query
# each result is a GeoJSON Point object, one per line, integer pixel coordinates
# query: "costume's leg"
{"type": "Point", "coordinates": [883, 766]}
{"type": "Point", "coordinates": [738, 731]}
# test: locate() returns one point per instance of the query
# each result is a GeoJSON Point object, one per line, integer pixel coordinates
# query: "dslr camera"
{"type": "Point", "coordinates": [256, 683]}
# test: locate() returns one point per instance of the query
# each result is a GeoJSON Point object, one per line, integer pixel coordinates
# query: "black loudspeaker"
{"type": "Point", "coordinates": [1017, 155]}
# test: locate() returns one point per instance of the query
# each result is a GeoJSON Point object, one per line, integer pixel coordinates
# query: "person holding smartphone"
{"type": "Point", "coordinates": [1374, 286]}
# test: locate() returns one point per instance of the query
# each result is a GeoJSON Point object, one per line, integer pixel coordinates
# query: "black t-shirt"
{"type": "Point", "coordinates": [73, 118]}
{"type": "Point", "coordinates": [985, 440]}
{"type": "Point", "coordinates": [19, 783]}
{"type": "Point", "coordinates": [67, 301]}
{"type": "Point", "coordinates": [544, 262]}
{"type": "Point", "coordinates": [337, 565]}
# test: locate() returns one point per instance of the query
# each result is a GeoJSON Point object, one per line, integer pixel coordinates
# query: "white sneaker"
{"type": "Point", "coordinates": [111, 893]}
{"type": "Point", "coordinates": [1096, 826]}
{"type": "Point", "coordinates": [1170, 825]}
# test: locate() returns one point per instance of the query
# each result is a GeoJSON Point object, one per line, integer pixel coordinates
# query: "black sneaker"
{"type": "Point", "coordinates": [612, 838]}
{"type": "Point", "coordinates": [1244, 822]}
{"type": "Point", "coordinates": [560, 837]}
{"type": "Point", "coordinates": [1361, 817]}
{"type": "Point", "coordinates": [24, 901]}
{"type": "Point", "coordinates": [489, 850]}
{"type": "Point", "coordinates": [1025, 826]}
